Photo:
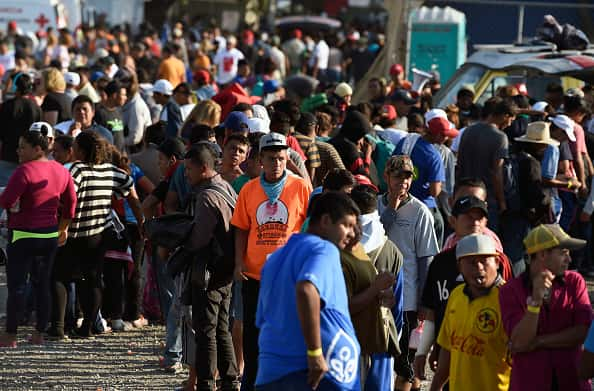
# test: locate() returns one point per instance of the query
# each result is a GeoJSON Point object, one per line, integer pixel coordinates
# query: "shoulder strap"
{"type": "Point", "coordinates": [223, 193]}
{"type": "Point", "coordinates": [409, 143]}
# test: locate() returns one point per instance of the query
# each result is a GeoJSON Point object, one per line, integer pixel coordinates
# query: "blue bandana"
{"type": "Point", "coordinates": [273, 190]}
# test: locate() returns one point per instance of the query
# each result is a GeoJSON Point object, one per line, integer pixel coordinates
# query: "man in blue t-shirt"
{"type": "Point", "coordinates": [427, 161]}
{"type": "Point", "coordinates": [306, 338]}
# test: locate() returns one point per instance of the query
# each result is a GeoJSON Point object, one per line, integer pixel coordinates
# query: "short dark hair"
{"type": "Point", "coordinates": [65, 141]}
{"type": "Point", "coordinates": [335, 204]}
{"type": "Point", "coordinates": [469, 182]}
{"type": "Point", "coordinates": [338, 178]}
{"type": "Point", "coordinates": [499, 106]}
{"type": "Point", "coordinates": [415, 120]}
{"type": "Point", "coordinates": [201, 132]}
{"type": "Point", "coordinates": [464, 91]}
{"type": "Point", "coordinates": [202, 154]}
{"type": "Point", "coordinates": [155, 133]}
{"type": "Point", "coordinates": [575, 104]}
{"type": "Point", "coordinates": [82, 99]}
{"type": "Point", "coordinates": [290, 108]}
{"type": "Point", "coordinates": [113, 87]}
{"type": "Point", "coordinates": [23, 83]}
{"type": "Point", "coordinates": [242, 107]}
{"type": "Point", "coordinates": [365, 198]}
{"type": "Point", "coordinates": [280, 123]}
{"type": "Point", "coordinates": [239, 138]}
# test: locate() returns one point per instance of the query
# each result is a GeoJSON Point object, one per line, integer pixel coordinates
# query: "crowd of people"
{"type": "Point", "coordinates": [331, 244]}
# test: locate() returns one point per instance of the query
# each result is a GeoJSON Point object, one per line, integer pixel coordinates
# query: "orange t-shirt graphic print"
{"type": "Point", "coordinates": [269, 225]}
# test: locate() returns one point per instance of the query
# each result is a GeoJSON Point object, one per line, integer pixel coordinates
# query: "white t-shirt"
{"type": "Point", "coordinates": [320, 55]}
{"type": "Point", "coordinates": [410, 227]}
{"type": "Point", "coordinates": [394, 135]}
{"type": "Point", "coordinates": [278, 58]}
{"type": "Point", "coordinates": [7, 61]}
{"type": "Point", "coordinates": [456, 141]}
{"type": "Point", "coordinates": [226, 61]}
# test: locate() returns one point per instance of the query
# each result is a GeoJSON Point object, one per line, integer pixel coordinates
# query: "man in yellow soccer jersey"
{"type": "Point", "coordinates": [474, 354]}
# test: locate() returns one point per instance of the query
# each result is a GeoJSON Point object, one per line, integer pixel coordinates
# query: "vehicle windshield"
{"type": "Point", "coordinates": [470, 75]}
{"type": "Point", "coordinates": [535, 85]}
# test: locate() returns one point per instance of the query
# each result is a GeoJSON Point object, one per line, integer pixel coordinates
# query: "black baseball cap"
{"type": "Point", "coordinates": [403, 95]}
{"type": "Point", "coordinates": [173, 147]}
{"type": "Point", "coordinates": [465, 204]}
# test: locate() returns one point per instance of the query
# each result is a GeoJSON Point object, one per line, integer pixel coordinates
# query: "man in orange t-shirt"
{"type": "Point", "coordinates": [269, 210]}
{"type": "Point", "coordinates": [172, 68]}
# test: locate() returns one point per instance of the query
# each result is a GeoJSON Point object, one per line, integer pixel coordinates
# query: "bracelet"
{"type": "Point", "coordinates": [533, 309]}
{"type": "Point", "coordinates": [314, 353]}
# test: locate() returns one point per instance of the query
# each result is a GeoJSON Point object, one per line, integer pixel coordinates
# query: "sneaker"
{"type": "Point", "coordinates": [140, 322]}
{"type": "Point", "coordinates": [174, 368]}
{"type": "Point", "coordinates": [120, 325]}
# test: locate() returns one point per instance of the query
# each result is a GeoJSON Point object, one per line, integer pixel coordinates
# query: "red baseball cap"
{"type": "Point", "coordinates": [396, 69]}
{"type": "Point", "coordinates": [297, 34]}
{"type": "Point", "coordinates": [363, 180]}
{"type": "Point", "coordinates": [439, 125]}
{"type": "Point", "coordinates": [389, 112]}
{"type": "Point", "coordinates": [203, 75]}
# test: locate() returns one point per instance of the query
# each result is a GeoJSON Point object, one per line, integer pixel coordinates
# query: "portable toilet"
{"type": "Point", "coordinates": [436, 41]}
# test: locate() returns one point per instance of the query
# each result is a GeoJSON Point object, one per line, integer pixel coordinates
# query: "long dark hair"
{"type": "Point", "coordinates": [93, 147]}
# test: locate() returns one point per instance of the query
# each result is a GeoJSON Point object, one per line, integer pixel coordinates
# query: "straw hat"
{"type": "Point", "coordinates": [538, 132]}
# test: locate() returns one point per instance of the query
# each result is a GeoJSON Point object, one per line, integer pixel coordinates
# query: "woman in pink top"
{"type": "Point", "coordinates": [35, 192]}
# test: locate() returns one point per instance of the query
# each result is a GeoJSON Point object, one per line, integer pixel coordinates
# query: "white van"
{"type": "Point", "coordinates": [32, 15]}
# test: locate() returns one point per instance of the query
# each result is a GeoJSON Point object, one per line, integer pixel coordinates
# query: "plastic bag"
{"type": "Point", "coordinates": [415, 337]}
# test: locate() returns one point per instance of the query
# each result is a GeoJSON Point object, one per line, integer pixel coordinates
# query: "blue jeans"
{"type": "Point", "coordinates": [569, 201]}
{"type": "Point", "coordinates": [164, 283]}
{"type": "Point", "coordinates": [173, 341]}
{"type": "Point", "coordinates": [31, 257]}
{"type": "Point", "coordinates": [296, 381]}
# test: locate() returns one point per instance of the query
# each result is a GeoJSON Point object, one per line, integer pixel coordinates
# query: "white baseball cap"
{"type": "Point", "coordinates": [540, 106]}
{"type": "Point", "coordinates": [257, 125]}
{"type": "Point", "coordinates": [163, 86]}
{"type": "Point", "coordinates": [564, 122]}
{"type": "Point", "coordinates": [72, 78]}
{"type": "Point", "coordinates": [42, 127]}
{"type": "Point", "coordinates": [435, 113]}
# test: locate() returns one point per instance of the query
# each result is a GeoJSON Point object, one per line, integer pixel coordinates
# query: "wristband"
{"type": "Point", "coordinates": [533, 309]}
{"type": "Point", "coordinates": [314, 353]}
{"type": "Point", "coordinates": [569, 184]}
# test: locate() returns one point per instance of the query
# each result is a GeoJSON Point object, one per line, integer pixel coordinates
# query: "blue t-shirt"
{"type": "Point", "coordinates": [550, 162]}
{"type": "Point", "coordinates": [428, 168]}
{"type": "Point", "coordinates": [589, 343]}
{"type": "Point", "coordinates": [305, 257]}
{"type": "Point", "coordinates": [136, 174]}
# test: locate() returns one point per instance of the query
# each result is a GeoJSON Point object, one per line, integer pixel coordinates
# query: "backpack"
{"type": "Point", "coordinates": [383, 150]}
{"type": "Point", "coordinates": [511, 183]}
{"type": "Point", "coordinates": [522, 186]}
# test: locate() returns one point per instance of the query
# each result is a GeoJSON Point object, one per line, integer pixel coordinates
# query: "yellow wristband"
{"type": "Point", "coordinates": [314, 353]}
{"type": "Point", "coordinates": [534, 309]}
{"type": "Point", "coordinates": [569, 184]}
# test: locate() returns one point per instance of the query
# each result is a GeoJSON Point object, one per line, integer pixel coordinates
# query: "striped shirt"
{"type": "Point", "coordinates": [95, 185]}
{"type": "Point", "coordinates": [309, 147]}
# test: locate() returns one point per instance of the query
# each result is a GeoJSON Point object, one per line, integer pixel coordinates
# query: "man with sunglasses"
{"type": "Point", "coordinates": [546, 312]}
